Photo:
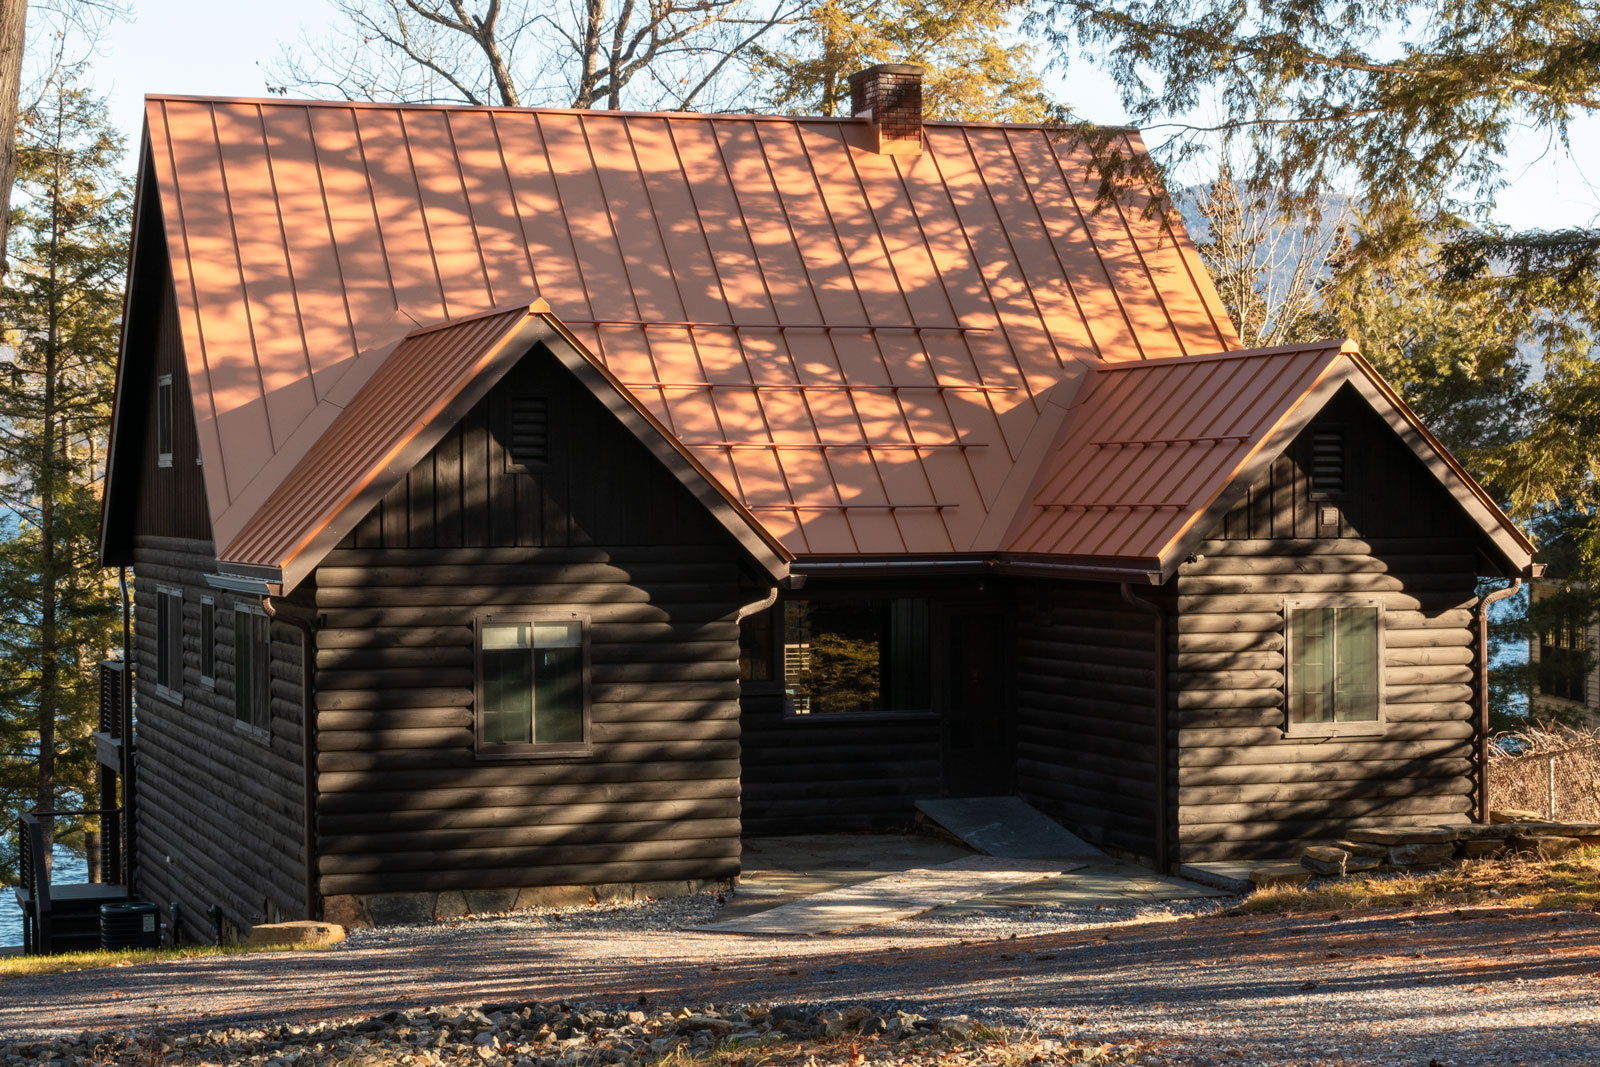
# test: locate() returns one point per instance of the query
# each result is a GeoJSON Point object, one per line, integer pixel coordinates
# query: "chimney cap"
{"type": "Point", "coordinates": [889, 68]}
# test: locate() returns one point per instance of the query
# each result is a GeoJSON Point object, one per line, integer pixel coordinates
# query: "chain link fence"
{"type": "Point", "coordinates": [1553, 770]}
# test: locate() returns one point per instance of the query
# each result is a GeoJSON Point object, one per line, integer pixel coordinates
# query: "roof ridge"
{"type": "Point", "coordinates": [1343, 344]}
{"type": "Point", "coordinates": [408, 105]}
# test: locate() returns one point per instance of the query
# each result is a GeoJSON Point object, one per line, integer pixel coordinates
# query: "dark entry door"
{"type": "Point", "coordinates": [977, 716]}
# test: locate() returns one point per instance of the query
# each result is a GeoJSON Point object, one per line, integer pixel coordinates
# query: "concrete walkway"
{"type": "Point", "coordinates": [779, 872]}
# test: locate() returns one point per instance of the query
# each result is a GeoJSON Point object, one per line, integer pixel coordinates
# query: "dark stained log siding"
{"type": "Point", "coordinates": [1085, 724]}
{"type": "Point", "coordinates": [220, 808]}
{"type": "Point", "coordinates": [829, 773]}
{"type": "Point", "coordinates": [1242, 788]}
{"type": "Point", "coordinates": [597, 527]}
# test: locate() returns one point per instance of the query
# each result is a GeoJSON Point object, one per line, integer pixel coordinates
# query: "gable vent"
{"type": "Point", "coordinates": [530, 431]}
{"type": "Point", "coordinates": [1327, 460]}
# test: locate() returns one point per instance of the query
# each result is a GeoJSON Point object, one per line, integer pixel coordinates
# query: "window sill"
{"type": "Point", "coordinates": [170, 696]}
{"type": "Point", "coordinates": [535, 752]}
{"type": "Point", "coordinates": [1321, 730]}
{"type": "Point", "coordinates": [250, 730]}
{"type": "Point", "coordinates": [837, 717]}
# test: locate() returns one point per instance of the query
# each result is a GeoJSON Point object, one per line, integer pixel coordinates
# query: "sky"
{"type": "Point", "coordinates": [224, 47]}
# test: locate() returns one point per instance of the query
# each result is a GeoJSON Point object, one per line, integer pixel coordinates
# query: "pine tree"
{"type": "Point", "coordinates": [61, 311]}
{"type": "Point", "coordinates": [974, 70]}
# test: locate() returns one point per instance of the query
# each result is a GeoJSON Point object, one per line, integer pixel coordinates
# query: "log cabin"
{"type": "Point", "coordinates": [527, 503]}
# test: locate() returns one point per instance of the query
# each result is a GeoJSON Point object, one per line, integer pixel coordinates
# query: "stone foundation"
{"type": "Point", "coordinates": [397, 909]}
{"type": "Point", "coordinates": [1423, 847]}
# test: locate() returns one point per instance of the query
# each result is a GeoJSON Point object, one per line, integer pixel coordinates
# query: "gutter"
{"type": "Point", "coordinates": [308, 747]}
{"type": "Point", "coordinates": [1481, 727]}
{"type": "Point", "coordinates": [1163, 856]}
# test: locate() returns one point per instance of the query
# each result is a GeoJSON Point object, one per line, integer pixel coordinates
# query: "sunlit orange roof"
{"type": "Point", "coordinates": [864, 354]}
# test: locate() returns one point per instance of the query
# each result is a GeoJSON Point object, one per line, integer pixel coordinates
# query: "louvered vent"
{"type": "Point", "coordinates": [1327, 460]}
{"type": "Point", "coordinates": [530, 431]}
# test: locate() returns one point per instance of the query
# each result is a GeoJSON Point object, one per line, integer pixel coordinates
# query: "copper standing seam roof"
{"type": "Point", "coordinates": [864, 355]}
{"type": "Point", "coordinates": [858, 347]}
{"type": "Point", "coordinates": [1149, 449]}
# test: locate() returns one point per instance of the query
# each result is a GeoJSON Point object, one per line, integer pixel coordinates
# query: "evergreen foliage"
{"type": "Point", "coordinates": [61, 310]}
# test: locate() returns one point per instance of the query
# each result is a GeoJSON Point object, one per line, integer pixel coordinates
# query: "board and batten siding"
{"type": "Point", "coordinates": [1085, 712]}
{"type": "Point", "coordinates": [595, 526]}
{"type": "Point", "coordinates": [220, 807]}
{"type": "Point", "coordinates": [1242, 788]}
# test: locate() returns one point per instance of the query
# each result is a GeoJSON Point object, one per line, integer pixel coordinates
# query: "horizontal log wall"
{"type": "Point", "coordinates": [820, 773]}
{"type": "Point", "coordinates": [1241, 787]}
{"type": "Point", "coordinates": [404, 804]}
{"type": "Point", "coordinates": [585, 521]}
{"type": "Point", "coordinates": [219, 808]}
{"type": "Point", "coordinates": [1085, 712]}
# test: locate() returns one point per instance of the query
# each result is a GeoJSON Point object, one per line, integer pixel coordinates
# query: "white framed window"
{"type": "Point", "coordinates": [208, 642]}
{"type": "Point", "coordinates": [164, 421]}
{"type": "Point", "coordinates": [169, 643]}
{"type": "Point", "coordinates": [1334, 652]}
{"type": "Point", "coordinates": [252, 663]}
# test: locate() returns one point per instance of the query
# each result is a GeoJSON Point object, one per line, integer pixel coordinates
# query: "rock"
{"type": "Point", "coordinates": [696, 1023]}
{"type": "Point", "coordinates": [299, 932]}
{"type": "Point", "coordinates": [1363, 848]}
{"type": "Point", "coordinates": [1514, 815]}
{"type": "Point", "coordinates": [449, 905]}
{"type": "Point", "coordinates": [1484, 831]}
{"type": "Point", "coordinates": [490, 901]}
{"type": "Point", "coordinates": [1421, 854]}
{"type": "Point", "coordinates": [1327, 861]}
{"type": "Point", "coordinates": [346, 910]}
{"type": "Point", "coordinates": [1391, 836]}
{"type": "Point", "coordinates": [1487, 846]}
{"type": "Point", "coordinates": [554, 896]}
{"type": "Point", "coordinates": [614, 893]}
{"type": "Point", "coordinates": [1279, 874]}
{"type": "Point", "coordinates": [397, 909]}
{"type": "Point", "coordinates": [1545, 846]}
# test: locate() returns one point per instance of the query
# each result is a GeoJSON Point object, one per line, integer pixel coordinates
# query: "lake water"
{"type": "Point", "coordinates": [69, 867]}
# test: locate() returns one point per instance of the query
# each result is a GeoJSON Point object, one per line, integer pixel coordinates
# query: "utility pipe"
{"type": "Point", "coordinates": [1163, 852]}
{"type": "Point", "coordinates": [1482, 610]}
{"type": "Point", "coordinates": [308, 746]}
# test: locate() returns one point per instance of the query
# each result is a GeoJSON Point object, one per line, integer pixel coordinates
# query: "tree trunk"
{"type": "Point", "coordinates": [49, 682]}
{"type": "Point", "coordinates": [13, 24]}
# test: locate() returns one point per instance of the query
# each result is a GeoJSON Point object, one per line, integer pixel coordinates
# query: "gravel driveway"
{"type": "Point", "coordinates": [1454, 989]}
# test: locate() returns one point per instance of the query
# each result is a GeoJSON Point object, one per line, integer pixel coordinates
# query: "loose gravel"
{"type": "Point", "coordinates": [1484, 988]}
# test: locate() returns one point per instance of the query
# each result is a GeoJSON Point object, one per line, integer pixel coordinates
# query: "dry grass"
{"type": "Point", "coordinates": [13, 967]}
{"type": "Point", "coordinates": [1516, 882]}
{"type": "Point", "coordinates": [1522, 780]}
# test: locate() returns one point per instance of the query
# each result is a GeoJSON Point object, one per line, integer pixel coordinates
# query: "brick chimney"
{"type": "Point", "coordinates": [889, 97]}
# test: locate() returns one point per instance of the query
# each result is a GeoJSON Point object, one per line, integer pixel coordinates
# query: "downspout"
{"type": "Point", "coordinates": [1482, 730]}
{"type": "Point", "coordinates": [1163, 852]}
{"type": "Point", "coordinates": [308, 748]}
{"type": "Point", "coordinates": [125, 754]}
{"type": "Point", "coordinates": [755, 606]}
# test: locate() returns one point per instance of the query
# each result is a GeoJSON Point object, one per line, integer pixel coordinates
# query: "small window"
{"type": "Point", "coordinates": [530, 432]}
{"type": "Point", "coordinates": [208, 641]}
{"type": "Point", "coordinates": [252, 659]}
{"type": "Point", "coordinates": [1327, 461]}
{"type": "Point", "coordinates": [1335, 667]}
{"type": "Point", "coordinates": [533, 686]}
{"type": "Point", "coordinates": [169, 643]}
{"type": "Point", "coordinates": [164, 421]}
{"type": "Point", "coordinates": [843, 656]}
